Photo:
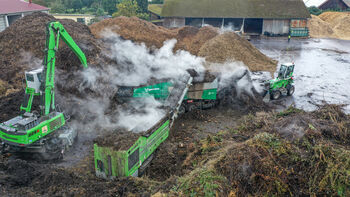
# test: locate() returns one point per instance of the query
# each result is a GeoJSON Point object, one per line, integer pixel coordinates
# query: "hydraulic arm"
{"type": "Point", "coordinates": [44, 132]}
{"type": "Point", "coordinates": [46, 78]}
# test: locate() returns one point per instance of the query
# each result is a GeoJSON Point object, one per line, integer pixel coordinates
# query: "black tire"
{"type": "Point", "coordinates": [290, 90]}
{"type": "Point", "coordinates": [276, 95]}
{"type": "Point", "coordinates": [221, 94]}
{"type": "Point", "coordinates": [191, 107]}
{"type": "Point", "coordinates": [182, 110]}
{"type": "Point", "coordinates": [265, 93]}
{"type": "Point", "coordinates": [53, 149]}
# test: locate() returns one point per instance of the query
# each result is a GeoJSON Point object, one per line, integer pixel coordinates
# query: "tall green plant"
{"type": "Point", "coordinates": [130, 8]}
{"type": "Point", "coordinates": [314, 10]}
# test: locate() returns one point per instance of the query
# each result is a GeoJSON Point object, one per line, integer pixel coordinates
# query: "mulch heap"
{"type": "Point", "coordinates": [191, 39]}
{"type": "Point", "coordinates": [206, 42]}
{"type": "Point", "coordinates": [229, 47]}
{"type": "Point", "coordinates": [330, 25]}
{"type": "Point", "coordinates": [290, 153]}
{"type": "Point", "coordinates": [141, 31]}
{"type": "Point", "coordinates": [134, 29]}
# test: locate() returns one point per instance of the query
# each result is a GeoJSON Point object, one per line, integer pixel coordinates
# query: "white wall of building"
{"type": "Point", "coordinates": [274, 26]}
{"type": "Point", "coordinates": [2, 23]}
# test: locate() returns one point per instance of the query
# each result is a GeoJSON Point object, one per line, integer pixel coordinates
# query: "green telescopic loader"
{"type": "Point", "coordinates": [282, 84]}
{"type": "Point", "coordinates": [45, 132]}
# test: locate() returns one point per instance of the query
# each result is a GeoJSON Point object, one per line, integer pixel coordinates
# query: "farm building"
{"type": "Point", "coordinates": [155, 11]}
{"type": "Point", "coordinates": [11, 10]}
{"type": "Point", "coordinates": [80, 18]}
{"type": "Point", "coordinates": [335, 5]}
{"type": "Point", "coordinates": [269, 17]}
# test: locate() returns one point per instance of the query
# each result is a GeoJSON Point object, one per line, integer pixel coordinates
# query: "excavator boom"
{"type": "Point", "coordinates": [45, 133]}
{"type": "Point", "coordinates": [55, 31]}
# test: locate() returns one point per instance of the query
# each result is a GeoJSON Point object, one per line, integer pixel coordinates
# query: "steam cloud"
{"type": "Point", "coordinates": [138, 65]}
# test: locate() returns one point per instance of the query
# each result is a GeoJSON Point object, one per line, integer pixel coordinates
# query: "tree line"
{"type": "Point", "coordinates": [316, 11]}
{"type": "Point", "coordinates": [99, 7]}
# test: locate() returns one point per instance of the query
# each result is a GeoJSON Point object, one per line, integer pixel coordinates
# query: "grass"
{"type": "Point", "coordinates": [201, 182]}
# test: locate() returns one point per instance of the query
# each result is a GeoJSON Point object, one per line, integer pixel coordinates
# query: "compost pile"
{"type": "Point", "coordinates": [291, 153]}
{"type": "Point", "coordinates": [228, 47]}
{"type": "Point", "coordinates": [330, 25]}
{"type": "Point", "coordinates": [205, 42]}
{"type": "Point", "coordinates": [140, 31]}
{"type": "Point", "coordinates": [192, 39]}
{"type": "Point", "coordinates": [32, 179]}
{"type": "Point", "coordinates": [134, 29]}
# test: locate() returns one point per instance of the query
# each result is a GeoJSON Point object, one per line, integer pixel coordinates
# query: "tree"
{"type": "Point", "coordinates": [87, 3]}
{"type": "Point", "coordinates": [110, 5]}
{"type": "Point", "coordinates": [77, 4]}
{"type": "Point", "coordinates": [41, 2]}
{"type": "Point", "coordinates": [127, 8]}
{"type": "Point", "coordinates": [130, 8]}
{"type": "Point", "coordinates": [57, 7]}
{"type": "Point", "coordinates": [156, 2]}
{"type": "Point", "coordinates": [143, 5]}
{"type": "Point", "coordinates": [100, 12]}
{"type": "Point", "coordinates": [314, 10]}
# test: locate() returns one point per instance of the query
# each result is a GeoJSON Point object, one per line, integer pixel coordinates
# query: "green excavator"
{"type": "Point", "coordinates": [45, 132]}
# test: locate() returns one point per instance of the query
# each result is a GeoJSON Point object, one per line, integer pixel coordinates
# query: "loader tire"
{"type": "Point", "coordinates": [275, 95]}
{"type": "Point", "coordinates": [290, 90]}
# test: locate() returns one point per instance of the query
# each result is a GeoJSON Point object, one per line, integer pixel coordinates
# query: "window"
{"type": "Point", "coordinates": [196, 22]}
{"type": "Point", "coordinates": [11, 19]}
{"type": "Point", "coordinates": [81, 20]}
{"type": "Point", "coordinates": [30, 77]}
{"type": "Point", "coordinates": [282, 72]}
{"type": "Point", "coordinates": [215, 22]}
{"type": "Point", "coordinates": [289, 71]}
{"type": "Point", "coordinates": [39, 76]}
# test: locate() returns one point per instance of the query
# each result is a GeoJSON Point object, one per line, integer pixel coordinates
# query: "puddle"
{"type": "Point", "coordinates": [322, 71]}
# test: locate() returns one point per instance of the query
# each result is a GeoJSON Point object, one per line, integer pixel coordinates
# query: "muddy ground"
{"type": "Point", "coordinates": [321, 73]}
{"type": "Point", "coordinates": [213, 152]}
{"type": "Point", "coordinates": [72, 177]}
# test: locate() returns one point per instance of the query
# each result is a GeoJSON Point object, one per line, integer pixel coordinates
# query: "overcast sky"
{"type": "Point", "coordinates": [313, 2]}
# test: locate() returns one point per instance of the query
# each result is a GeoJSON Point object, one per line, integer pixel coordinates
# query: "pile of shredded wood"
{"type": "Point", "coordinates": [206, 41]}
{"type": "Point", "coordinates": [229, 46]}
{"type": "Point", "coordinates": [192, 39]}
{"type": "Point", "coordinates": [330, 25]}
{"type": "Point", "coordinates": [133, 29]}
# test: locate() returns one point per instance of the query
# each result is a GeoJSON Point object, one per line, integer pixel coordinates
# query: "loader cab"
{"type": "Point", "coordinates": [286, 71]}
{"type": "Point", "coordinates": [33, 79]}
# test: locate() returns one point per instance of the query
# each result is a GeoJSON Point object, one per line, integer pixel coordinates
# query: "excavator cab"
{"type": "Point", "coordinates": [33, 79]}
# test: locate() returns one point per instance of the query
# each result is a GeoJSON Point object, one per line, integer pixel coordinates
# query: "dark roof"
{"type": "Point", "coordinates": [18, 6]}
{"type": "Point", "coordinates": [155, 8]}
{"type": "Point", "coordinates": [274, 9]}
{"type": "Point", "coordinates": [346, 2]}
